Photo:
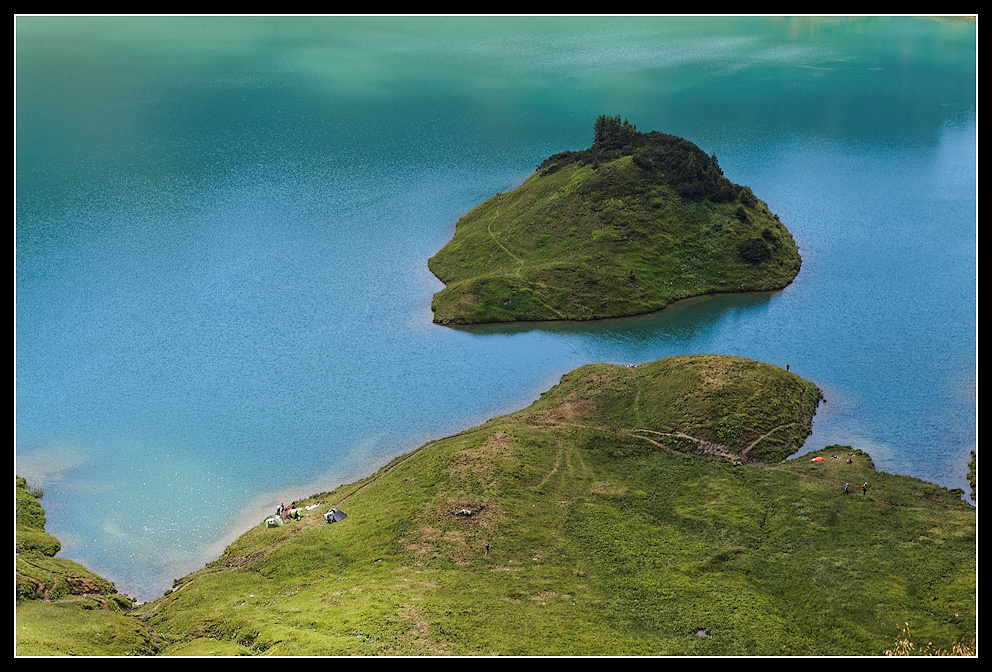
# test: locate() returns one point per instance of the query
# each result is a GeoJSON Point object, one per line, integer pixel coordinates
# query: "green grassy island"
{"type": "Point", "coordinates": [626, 227]}
{"type": "Point", "coordinates": [629, 511]}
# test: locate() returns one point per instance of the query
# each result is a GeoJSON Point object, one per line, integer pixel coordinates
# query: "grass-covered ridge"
{"type": "Point", "coordinates": [597, 521]}
{"type": "Point", "coordinates": [625, 227]}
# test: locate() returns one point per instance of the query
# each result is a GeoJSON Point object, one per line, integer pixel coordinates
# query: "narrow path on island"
{"type": "Point", "coordinates": [489, 228]}
{"type": "Point", "coordinates": [520, 262]}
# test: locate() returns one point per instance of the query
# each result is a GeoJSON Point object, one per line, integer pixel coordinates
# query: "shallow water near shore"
{"type": "Point", "coordinates": [223, 226]}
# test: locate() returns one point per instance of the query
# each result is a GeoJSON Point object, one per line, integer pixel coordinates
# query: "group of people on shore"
{"type": "Point", "coordinates": [291, 512]}
{"type": "Point", "coordinates": [284, 514]}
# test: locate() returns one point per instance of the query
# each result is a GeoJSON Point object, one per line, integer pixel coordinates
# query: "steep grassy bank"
{"type": "Point", "coordinates": [633, 223]}
{"type": "Point", "coordinates": [597, 522]}
{"type": "Point", "coordinates": [62, 608]}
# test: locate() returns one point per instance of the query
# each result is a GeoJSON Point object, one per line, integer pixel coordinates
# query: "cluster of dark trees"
{"type": "Point", "coordinates": [667, 158]}
{"type": "Point", "coordinates": [610, 133]}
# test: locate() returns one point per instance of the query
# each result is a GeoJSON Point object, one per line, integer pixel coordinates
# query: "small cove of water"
{"type": "Point", "coordinates": [222, 292]}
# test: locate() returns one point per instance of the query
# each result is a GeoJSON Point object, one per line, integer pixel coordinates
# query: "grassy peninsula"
{"type": "Point", "coordinates": [625, 227]}
{"type": "Point", "coordinates": [628, 511]}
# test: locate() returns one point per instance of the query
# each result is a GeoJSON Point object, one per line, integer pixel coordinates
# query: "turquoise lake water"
{"type": "Point", "coordinates": [223, 226]}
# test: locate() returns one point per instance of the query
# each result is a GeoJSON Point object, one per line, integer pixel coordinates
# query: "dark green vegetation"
{"type": "Point", "coordinates": [63, 608]}
{"type": "Point", "coordinates": [973, 475]}
{"type": "Point", "coordinates": [633, 223]}
{"type": "Point", "coordinates": [602, 520]}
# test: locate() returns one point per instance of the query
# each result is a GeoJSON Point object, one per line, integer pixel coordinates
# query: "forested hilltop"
{"type": "Point", "coordinates": [627, 226]}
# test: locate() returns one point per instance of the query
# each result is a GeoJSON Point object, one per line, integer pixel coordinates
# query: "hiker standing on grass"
{"type": "Point", "coordinates": [864, 488]}
{"type": "Point", "coordinates": [847, 489]}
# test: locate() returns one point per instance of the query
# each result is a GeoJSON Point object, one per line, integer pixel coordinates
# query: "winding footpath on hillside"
{"type": "Point", "coordinates": [712, 449]}
{"type": "Point", "coordinates": [81, 588]}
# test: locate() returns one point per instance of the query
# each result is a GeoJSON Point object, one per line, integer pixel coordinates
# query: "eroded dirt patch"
{"type": "Point", "coordinates": [481, 462]}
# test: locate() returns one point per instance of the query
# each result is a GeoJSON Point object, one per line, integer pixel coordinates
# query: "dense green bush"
{"type": "Point", "coordinates": [754, 250]}
{"type": "Point", "coordinates": [973, 475]}
{"type": "Point", "coordinates": [33, 542]}
{"type": "Point", "coordinates": [27, 589]}
{"type": "Point", "coordinates": [29, 510]}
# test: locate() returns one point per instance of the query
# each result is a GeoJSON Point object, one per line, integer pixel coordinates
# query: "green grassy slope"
{"type": "Point", "coordinates": [570, 528]}
{"type": "Point", "coordinates": [62, 608]}
{"type": "Point", "coordinates": [611, 232]}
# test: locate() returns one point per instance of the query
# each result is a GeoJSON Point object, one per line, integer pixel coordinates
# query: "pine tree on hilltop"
{"type": "Point", "coordinates": [611, 133]}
